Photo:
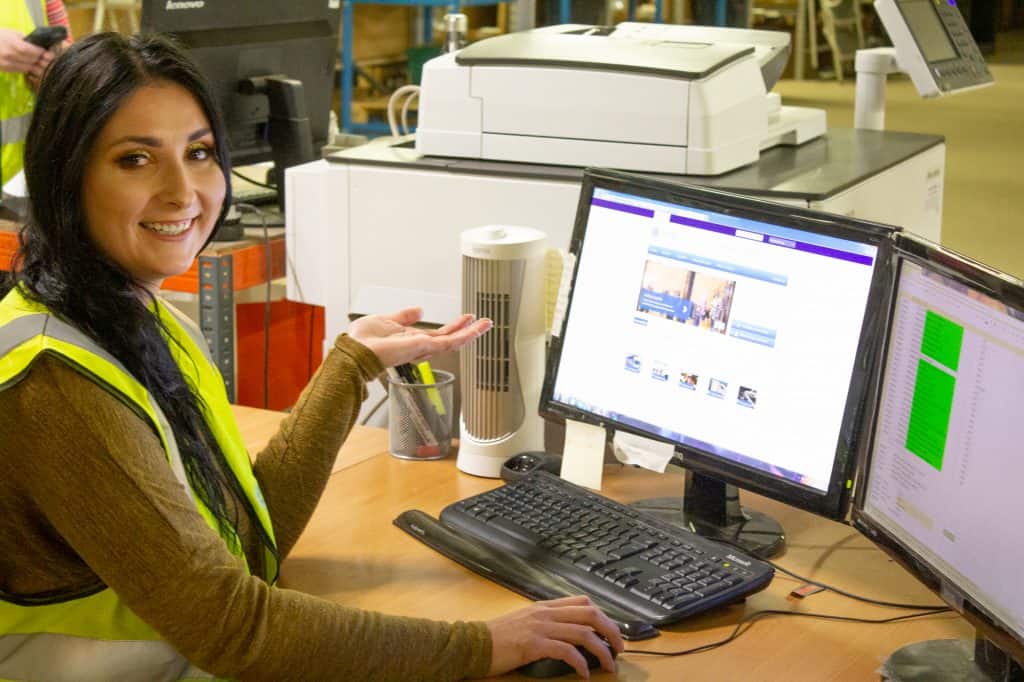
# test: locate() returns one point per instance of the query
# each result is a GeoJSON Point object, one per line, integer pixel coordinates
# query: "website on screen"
{"type": "Point", "coordinates": [726, 334]}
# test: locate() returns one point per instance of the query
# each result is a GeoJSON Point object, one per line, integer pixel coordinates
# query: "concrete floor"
{"type": "Point", "coordinates": [983, 213]}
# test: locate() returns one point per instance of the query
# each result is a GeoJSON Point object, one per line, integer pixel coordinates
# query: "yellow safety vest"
{"type": "Point", "coordinates": [16, 98]}
{"type": "Point", "coordinates": [96, 637]}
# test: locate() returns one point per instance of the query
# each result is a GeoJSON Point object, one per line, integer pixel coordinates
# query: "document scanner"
{"type": "Point", "coordinates": [688, 100]}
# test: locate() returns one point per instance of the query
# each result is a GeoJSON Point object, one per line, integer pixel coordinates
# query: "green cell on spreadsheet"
{"type": "Point", "coordinates": [930, 411]}
{"type": "Point", "coordinates": [942, 340]}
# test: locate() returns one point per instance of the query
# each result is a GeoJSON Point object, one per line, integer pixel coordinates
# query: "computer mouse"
{"type": "Point", "coordinates": [555, 667]}
{"type": "Point", "coordinates": [525, 463]}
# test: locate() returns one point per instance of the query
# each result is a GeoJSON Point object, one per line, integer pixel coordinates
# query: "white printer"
{"type": "Point", "coordinates": [659, 98]}
{"type": "Point", "coordinates": [376, 228]}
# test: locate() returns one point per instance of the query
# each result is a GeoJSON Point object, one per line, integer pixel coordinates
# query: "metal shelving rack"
{"type": "Point", "coordinates": [348, 63]}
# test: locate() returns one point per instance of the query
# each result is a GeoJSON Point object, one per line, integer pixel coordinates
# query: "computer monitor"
{"type": "Point", "coordinates": [741, 331]}
{"type": "Point", "coordinates": [940, 488]}
{"type": "Point", "coordinates": [270, 65]}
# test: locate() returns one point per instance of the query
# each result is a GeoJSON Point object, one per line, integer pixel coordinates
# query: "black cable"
{"type": "Point", "coordinates": [279, 223]}
{"type": "Point", "coordinates": [758, 615]}
{"type": "Point", "coordinates": [857, 597]}
{"type": "Point", "coordinates": [242, 208]}
{"type": "Point", "coordinates": [266, 314]}
{"type": "Point", "coordinates": [844, 593]}
{"type": "Point", "coordinates": [374, 409]}
{"type": "Point", "coordinates": [251, 181]}
{"type": "Point", "coordinates": [309, 354]}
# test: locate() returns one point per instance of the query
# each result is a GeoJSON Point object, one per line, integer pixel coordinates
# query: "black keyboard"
{"type": "Point", "coordinates": [613, 552]}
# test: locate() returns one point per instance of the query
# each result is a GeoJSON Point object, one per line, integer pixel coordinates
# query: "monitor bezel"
{"type": "Point", "coordinates": [833, 503]}
{"type": "Point", "coordinates": [1008, 290]}
{"type": "Point", "coordinates": [228, 15]}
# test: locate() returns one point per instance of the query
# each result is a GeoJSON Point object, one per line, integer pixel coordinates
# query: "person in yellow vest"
{"type": "Point", "coordinates": [136, 540]}
{"type": "Point", "coordinates": [21, 68]}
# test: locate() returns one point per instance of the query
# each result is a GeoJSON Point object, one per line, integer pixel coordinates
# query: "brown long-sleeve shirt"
{"type": "Point", "coordinates": [87, 497]}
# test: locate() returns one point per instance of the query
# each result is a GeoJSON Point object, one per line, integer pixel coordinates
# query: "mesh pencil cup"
{"type": "Point", "coordinates": [420, 417]}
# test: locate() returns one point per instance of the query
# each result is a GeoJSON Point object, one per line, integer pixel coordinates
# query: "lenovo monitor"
{"type": "Point", "coordinates": [270, 65]}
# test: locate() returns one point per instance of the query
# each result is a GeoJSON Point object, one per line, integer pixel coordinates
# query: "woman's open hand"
{"type": "Point", "coordinates": [394, 340]}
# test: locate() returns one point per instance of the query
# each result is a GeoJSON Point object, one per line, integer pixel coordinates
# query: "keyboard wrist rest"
{"type": "Point", "coordinates": [510, 571]}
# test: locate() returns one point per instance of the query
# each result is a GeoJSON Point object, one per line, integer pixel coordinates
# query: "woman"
{"type": "Point", "coordinates": [137, 542]}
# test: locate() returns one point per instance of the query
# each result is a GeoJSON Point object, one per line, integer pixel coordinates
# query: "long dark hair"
{"type": "Point", "coordinates": [58, 264]}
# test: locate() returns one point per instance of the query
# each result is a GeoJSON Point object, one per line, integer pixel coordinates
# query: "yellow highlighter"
{"type": "Point", "coordinates": [427, 377]}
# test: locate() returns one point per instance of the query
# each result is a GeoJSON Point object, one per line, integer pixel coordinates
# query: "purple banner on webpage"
{"type": "Point", "coordinates": [702, 225]}
{"type": "Point", "coordinates": [625, 208]}
{"type": "Point", "coordinates": [835, 253]}
{"type": "Point", "coordinates": [863, 259]}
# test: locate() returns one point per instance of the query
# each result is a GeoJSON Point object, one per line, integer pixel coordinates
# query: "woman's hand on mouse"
{"type": "Point", "coordinates": [394, 340]}
{"type": "Point", "coordinates": [552, 629]}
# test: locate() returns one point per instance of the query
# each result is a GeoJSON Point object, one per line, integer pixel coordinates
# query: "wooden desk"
{"type": "Point", "coordinates": [351, 553]}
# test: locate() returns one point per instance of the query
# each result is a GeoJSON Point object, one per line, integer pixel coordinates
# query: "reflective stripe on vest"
{"type": "Point", "coordinates": [37, 10]}
{"type": "Point", "coordinates": [24, 328]}
{"type": "Point", "coordinates": [190, 328]}
{"type": "Point", "coordinates": [32, 658]}
{"type": "Point", "coordinates": [15, 129]}
{"type": "Point", "coordinates": [206, 380]}
{"type": "Point", "coordinates": [96, 637]}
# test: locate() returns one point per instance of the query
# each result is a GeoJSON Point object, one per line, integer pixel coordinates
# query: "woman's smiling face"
{"type": "Point", "coordinates": [152, 187]}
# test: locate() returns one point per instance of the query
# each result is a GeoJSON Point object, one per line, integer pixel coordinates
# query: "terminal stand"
{"type": "Point", "coordinates": [711, 508]}
{"type": "Point", "coordinates": [931, 44]}
{"type": "Point", "coordinates": [873, 66]}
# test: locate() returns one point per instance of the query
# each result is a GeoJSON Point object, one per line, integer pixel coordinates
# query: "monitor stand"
{"type": "Point", "coordinates": [289, 133]}
{"type": "Point", "coordinates": [951, 660]}
{"type": "Point", "coordinates": [712, 509]}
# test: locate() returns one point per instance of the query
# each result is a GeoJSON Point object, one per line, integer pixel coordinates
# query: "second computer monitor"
{"type": "Point", "coordinates": [743, 332]}
{"type": "Point", "coordinates": [941, 486]}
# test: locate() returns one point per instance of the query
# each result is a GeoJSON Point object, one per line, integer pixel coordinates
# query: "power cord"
{"type": "Point", "coordinates": [921, 609]}
{"type": "Point", "coordinates": [249, 208]}
{"type": "Point", "coordinates": [309, 350]}
{"type": "Point", "coordinates": [377, 406]}
{"type": "Point", "coordinates": [405, 111]}
{"type": "Point", "coordinates": [265, 225]}
{"type": "Point", "coordinates": [409, 91]}
{"type": "Point", "coordinates": [857, 597]}
{"type": "Point", "coordinates": [747, 622]}
{"type": "Point", "coordinates": [275, 223]}
{"type": "Point", "coordinates": [251, 181]}
{"type": "Point", "coordinates": [844, 593]}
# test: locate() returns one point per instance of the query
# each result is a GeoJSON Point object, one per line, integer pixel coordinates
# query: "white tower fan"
{"type": "Point", "coordinates": [502, 371]}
